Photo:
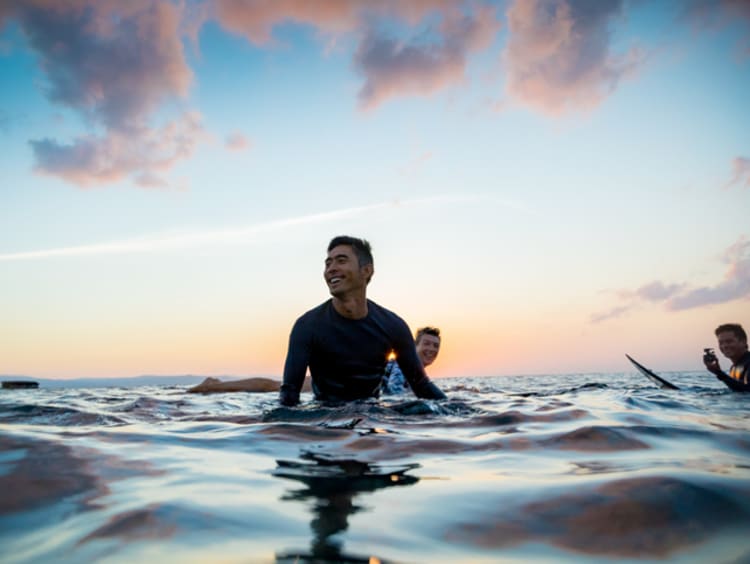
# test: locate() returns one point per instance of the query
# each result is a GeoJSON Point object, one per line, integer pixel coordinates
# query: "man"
{"type": "Point", "coordinates": [346, 340]}
{"type": "Point", "coordinates": [427, 341]}
{"type": "Point", "coordinates": [733, 345]}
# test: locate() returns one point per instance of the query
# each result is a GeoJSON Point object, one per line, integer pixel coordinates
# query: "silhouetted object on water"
{"type": "Point", "coordinates": [19, 384]}
{"type": "Point", "coordinates": [656, 379]}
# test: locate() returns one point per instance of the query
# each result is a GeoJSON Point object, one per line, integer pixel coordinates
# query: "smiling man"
{"type": "Point", "coordinates": [345, 341]}
{"type": "Point", "coordinates": [733, 345]}
{"type": "Point", "coordinates": [427, 341]}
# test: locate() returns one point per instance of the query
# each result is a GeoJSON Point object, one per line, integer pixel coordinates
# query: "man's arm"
{"type": "Point", "coordinates": [297, 360]}
{"type": "Point", "coordinates": [731, 383]}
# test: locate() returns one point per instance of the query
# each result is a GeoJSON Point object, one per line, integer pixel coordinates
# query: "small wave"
{"type": "Point", "coordinates": [631, 518]}
{"type": "Point", "coordinates": [595, 438]}
{"type": "Point", "coordinates": [53, 415]}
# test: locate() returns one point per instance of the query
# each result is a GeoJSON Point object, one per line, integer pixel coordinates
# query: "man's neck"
{"type": "Point", "coordinates": [351, 307]}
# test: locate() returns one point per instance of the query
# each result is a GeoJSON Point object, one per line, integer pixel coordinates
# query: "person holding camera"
{"type": "Point", "coordinates": [733, 345]}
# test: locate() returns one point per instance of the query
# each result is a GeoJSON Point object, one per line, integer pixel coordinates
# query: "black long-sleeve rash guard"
{"type": "Point", "coordinates": [347, 357]}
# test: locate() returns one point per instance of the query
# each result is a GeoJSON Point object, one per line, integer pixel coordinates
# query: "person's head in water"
{"type": "Point", "coordinates": [348, 266]}
{"type": "Point", "coordinates": [427, 341]}
{"type": "Point", "coordinates": [732, 340]}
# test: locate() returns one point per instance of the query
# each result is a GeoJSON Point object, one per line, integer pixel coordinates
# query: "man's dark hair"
{"type": "Point", "coordinates": [735, 328]}
{"type": "Point", "coordinates": [361, 248]}
{"type": "Point", "coordinates": [434, 331]}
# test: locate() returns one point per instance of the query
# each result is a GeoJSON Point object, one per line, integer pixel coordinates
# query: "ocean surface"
{"type": "Point", "coordinates": [578, 468]}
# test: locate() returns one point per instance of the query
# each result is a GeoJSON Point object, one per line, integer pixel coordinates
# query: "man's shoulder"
{"type": "Point", "coordinates": [376, 309]}
{"type": "Point", "coordinates": [312, 316]}
{"type": "Point", "coordinates": [317, 310]}
{"type": "Point", "coordinates": [389, 319]}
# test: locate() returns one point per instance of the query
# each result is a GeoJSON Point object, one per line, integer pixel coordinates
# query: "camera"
{"type": "Point", "coordinates": [708, 355]}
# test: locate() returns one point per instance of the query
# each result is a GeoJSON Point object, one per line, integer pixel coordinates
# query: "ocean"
{"type": "Point", "coordinates": [574, 468]}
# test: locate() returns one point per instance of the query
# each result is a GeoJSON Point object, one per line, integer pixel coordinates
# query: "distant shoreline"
{"type": "Point", "coordinates": [122, 382]}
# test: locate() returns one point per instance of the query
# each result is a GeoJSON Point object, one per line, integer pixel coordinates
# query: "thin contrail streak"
{"type": "Point", "coordinates": [226, 236]}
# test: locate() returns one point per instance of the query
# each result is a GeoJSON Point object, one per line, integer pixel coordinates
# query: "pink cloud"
{"type": "Point", "coordinates": [236, 142]}
{"type": "Point", "coordinates": [115, 63]}
{"type": "Point", "coordinates": [94, 160]}
{"type": "Point", "coordinates": [395, 68]}
{"type": "Point", "coordinates": [740, 172]}
{"type": "Point", "coordinates": [677, 297]}
{"type": "Point", "coordinates": [558, 57]}
{"type": "Point", "coordinates": [735, 285]}
{"type": "Point", "coordinates": [390, 67]}
{"type": "Point", "coordinates": [718, 14]}
{"type": "Point", "coordinates": [255, 19]}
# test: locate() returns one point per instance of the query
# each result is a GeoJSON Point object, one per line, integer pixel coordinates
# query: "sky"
{"type": "Point", "coordinates": [552, 183]}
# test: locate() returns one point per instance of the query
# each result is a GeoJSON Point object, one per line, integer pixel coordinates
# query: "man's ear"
{"type": "Point", "coordinates": [368, 270]}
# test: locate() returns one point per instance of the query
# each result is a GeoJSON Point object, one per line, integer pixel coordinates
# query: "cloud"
{"type": "Point", "coordinates": [433, 60]}
{"type": "Point", "coordinates": [736, 283]}
{"type": "Point", "coordinates": [245, 234]}
{"type": "Point", "coordinates": [678, 297]}
{"type": "Point", "coordinates": [236, 141]}
{"type": "Point", "coordinates": [654, 292]}
{"type": "Point", "coordinates": [395, 68]}
{"type": "Point", "coordinates": [740, 172]}
{"type": "Point", "coordinates": [718, 14]}
{"type": "Point", "coordinates": [256, 19]}
{"type": "Point", "coordinates": [558, 56]}
{"type": "Point", "coordinates": [611, 314]}
{"type": "Point", "coordinates": [93, 160]}
{"type": "Point", "coordinates": [115, 63]}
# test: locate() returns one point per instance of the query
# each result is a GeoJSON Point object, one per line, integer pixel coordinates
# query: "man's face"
{"type": "Point", "coordinates": [342, 272]}
{"type": "Point", "coordinates": [730, 346]}
{"type": "Point", "coordinates": [428, 348]}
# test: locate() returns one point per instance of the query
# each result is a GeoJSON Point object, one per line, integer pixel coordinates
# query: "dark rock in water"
{"type": "Point", "coordinates": [19, 384]}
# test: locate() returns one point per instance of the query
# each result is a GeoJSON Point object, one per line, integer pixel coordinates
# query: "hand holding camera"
{"type": "Point", "coordinates": [709, 357]}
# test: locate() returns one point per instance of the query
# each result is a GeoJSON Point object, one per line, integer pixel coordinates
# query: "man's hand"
{"type": "Point", "coordinates": [712, 365]}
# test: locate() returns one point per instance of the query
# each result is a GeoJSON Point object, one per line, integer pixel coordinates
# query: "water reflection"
{"type": "Point", "coordinates": [333, 484]}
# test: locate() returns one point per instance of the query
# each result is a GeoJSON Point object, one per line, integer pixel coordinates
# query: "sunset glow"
{"type": "Point", "coordinates": [552, 185]}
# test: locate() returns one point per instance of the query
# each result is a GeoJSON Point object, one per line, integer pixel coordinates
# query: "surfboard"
{"type": "Point", "coordinates": [658, 380]}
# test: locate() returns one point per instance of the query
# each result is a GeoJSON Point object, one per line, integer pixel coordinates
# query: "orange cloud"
{"type": "Point", "coordinates": [558, 56]}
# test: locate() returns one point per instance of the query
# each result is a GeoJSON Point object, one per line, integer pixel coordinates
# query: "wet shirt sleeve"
{"type": "Point", "coordinates": [297, 361]}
